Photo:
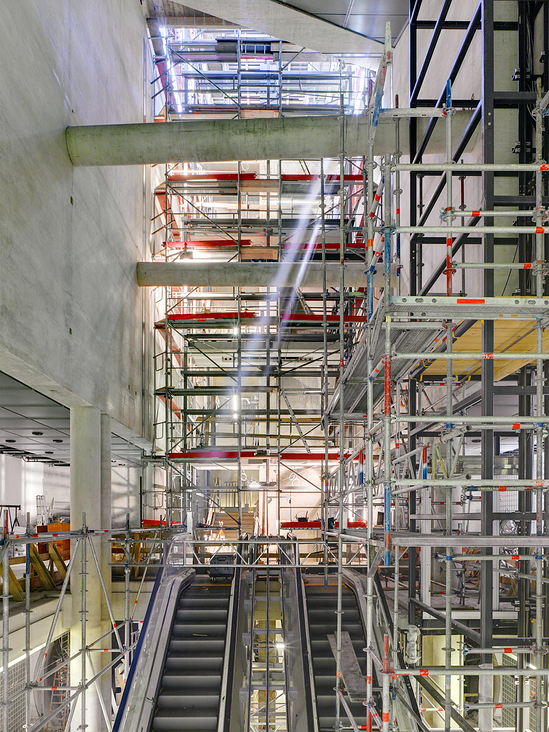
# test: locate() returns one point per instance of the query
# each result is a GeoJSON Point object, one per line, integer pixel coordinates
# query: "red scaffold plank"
{"type": "Point", "coordinates": [233, 455]}
{"type": "Point", "coordinates": [206, 243]}
{"type": "Point", "coordinates": [313, 318]}
{"type": "Point", "coordinates": [349, 178]}
{"type": "Point", "coordinates": [318, 524]}
{"type": "Point", "coordinates": [199, 177]}
{"type": "Point", "coordinates": [224, 315]}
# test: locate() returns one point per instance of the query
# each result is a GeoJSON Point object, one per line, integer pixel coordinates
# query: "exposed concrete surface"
{"type": "Point", "coordinates": [70, 318]}
{"type": "Point", "coordinates": [292, 25]}
{"type": "Point", "coordinates": [41, 616]}
{"type": "Point", "coordinates": [293, 138]}
{"type": "Point", "coordinates": [247, 274]}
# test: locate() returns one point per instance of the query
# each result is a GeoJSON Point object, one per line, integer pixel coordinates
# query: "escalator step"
{"type": "Point", "coordinates": [186, 680]}
{"type": "Point", "coordinates": [198, 614]}
{"type": "Point", "coordinates": [177, 723]}
{"type": "Point", "coordinates": [200, 702]}
{"type": "Point", "coordinates": [202, 646]}
{"type": "Point", "coordinates": [318, 632]}
{"type": "Point", "coordinates": [194, 630]}
{"type": "Point", "coordinates": [193, 663]}
{"type": "Point", "coordinates": [204, 600]}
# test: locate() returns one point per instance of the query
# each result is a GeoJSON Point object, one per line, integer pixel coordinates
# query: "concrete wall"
{"type": "Point", "coordinates": [71, 313]}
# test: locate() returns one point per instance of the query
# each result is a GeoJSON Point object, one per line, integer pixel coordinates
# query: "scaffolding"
{"type": "Point", "coordinates": [49, 697]}
{"type": "Point", "coordinates": [413, 405]}
{"type": "Point", "coordinates": [414, 373]}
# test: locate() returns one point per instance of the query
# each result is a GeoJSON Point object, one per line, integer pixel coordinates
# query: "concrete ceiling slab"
{"type": "Point", "coordinates": [367, 17]}
{"type": "Point", "coordinates": [292, 24]}
{"type": "Point", "coordinates": [35, 428]}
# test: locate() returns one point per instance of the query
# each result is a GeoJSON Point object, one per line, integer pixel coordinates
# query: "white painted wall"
{"type": "Point", "coordinates": [20, 483]}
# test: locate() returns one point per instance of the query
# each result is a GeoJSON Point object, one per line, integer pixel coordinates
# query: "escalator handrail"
{"type": "Point", "coordinates": [230, 649]}
{"type": "Point", "coordinates": [172, 579]}
{"type": "Point", "coordinates": [131, 673]}
{"type": "Point", "coordinates": [306, 647]}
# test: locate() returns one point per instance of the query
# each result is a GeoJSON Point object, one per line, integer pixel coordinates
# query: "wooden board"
{"type": "Point", "coordinates": [513, 336]}
{"type": "Point", "coordinates": [355, 682]}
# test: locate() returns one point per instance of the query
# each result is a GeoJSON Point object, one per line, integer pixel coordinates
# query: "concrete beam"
{"type": "Point", "coordinates": [294, 138]}
{"type": "Point", "coordinates": [296, 26]}
{"type": "Point", "coordinates": [246, 274]}
{"type": "Point", "coordinates": [215, 140]}
{"type": "Point", "coordinates": [191, 21]}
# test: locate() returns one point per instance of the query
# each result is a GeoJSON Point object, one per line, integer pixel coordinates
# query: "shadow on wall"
{"type": "Point", "coordinates": [57, 488]}
{"type": "Point", "coordinates": [125, 495]}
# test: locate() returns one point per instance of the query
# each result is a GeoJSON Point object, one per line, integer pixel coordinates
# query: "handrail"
{"type": "Point", "coordinates": [141, 688]}
{"type": "Point", "coordinates": [131, 672]}
{"type": "Point", "coordinates": [312, 714]}
{"type": "Point", "coordinates": [230, 648]}
{"type": "Point", "coordinates": [286, 622]}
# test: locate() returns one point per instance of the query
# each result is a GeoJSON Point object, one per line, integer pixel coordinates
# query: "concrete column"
{"type": "Point", "coordinates": [85, 434]}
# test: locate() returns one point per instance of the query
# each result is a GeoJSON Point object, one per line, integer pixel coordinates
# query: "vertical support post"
{"type": "Point", "coordinates": [5, 628]}
{"type": "Point", "coordinates": [449, 203]}
{"type": "Point", "coordinates": [85, 476]}
{"type": "Point", "coordinates": [105, 549]}
{"type": "Point", "coordinates": [83, 622]}
{"type": "Point", "coordinates": [341, 481]}
{"type": "Point", "coordinates": [395, 608]}
{"type": "Point", "coordinates": [449, 411]}
{"type": "Point", "coordinates": [540, 403]}
{"type": "Point", "coordinates": [27, 625]}
{"type": "Point", "coordinates": [386, 692]}
{"type": "Point", "coordinates": [412, 70]}
{"type": "Point", "coordinates": [487, 404]}
{"type": "Point", "coordinates": [127, 618]}
{"type": "Point", "coordinates": [239, 332]}
{"type": "Point", "coordinates": [325, 372]}
{"type": "Point", "coordinates": [448, 531]}
{"type": "Point", "coordinates": [387, 362]}
{"type": "Point", "coordinates": [368, 206]}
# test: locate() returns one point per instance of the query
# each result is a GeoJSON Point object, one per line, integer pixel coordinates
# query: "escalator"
{"type": "Point", "coordinates": [321, 613]}
{"type": "Point", "coordinates": [181, 677]}
{"type": "Point", "coordinates": [189, 693]}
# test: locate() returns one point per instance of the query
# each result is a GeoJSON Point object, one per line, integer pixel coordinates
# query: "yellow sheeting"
{"type": "Point", "coordinates": [513, 336]}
